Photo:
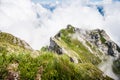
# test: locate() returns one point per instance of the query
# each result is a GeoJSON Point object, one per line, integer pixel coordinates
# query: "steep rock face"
{"type": "Point", "coordinates": [105, 43]}
{"type": "Point", "coordinates": [80, 54]}
{"type": "Point", "coordinates": [53, 46]}
{"type": "Point", "coordinates": [78, 43]}
{"type": "Point", "coordinates": [100, 39]}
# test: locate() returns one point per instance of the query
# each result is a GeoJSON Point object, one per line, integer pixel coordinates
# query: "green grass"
{"type": "Point", "coordinates": [48, 64]}
{"type": "Point", "coordinates": [94, 48]}
{"type": "Point", "coordinates": [75, 45]}
{"type": "Point", "coordinates": [9, 38]}
{"type": "Point", "coordinates": [55, 67]}
{"type": "Point", "coordinates": [103, 40]}
{"type": "Point", "coordinates": [116, 66]}
{"type": "Point", "coordinates": [118, 48]}
{"type": "Point", "coordinates": [83, 52]}
{"type": "Point", "coordinates": [65, 34]}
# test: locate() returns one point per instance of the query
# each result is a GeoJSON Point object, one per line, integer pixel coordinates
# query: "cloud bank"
{"type": "Point", "coordinates": [36, 23]}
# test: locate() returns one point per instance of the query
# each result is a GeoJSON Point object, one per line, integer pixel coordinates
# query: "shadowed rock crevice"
{"type": "Point", "coordinates": [55, 47]}
{"type": "Point", "coordinates": [110, 48]}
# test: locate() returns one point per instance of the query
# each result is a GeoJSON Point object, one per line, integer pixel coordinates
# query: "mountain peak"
{"type": "Point", "coordinates": [95, 45]}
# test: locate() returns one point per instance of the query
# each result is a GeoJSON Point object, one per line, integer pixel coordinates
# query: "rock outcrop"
{"type": "Point", "coordinates": [96, 41]}
{"type": "Point", "coordinates": [55, 47]}
{"type": "Point", "coordinates": [13, 74]}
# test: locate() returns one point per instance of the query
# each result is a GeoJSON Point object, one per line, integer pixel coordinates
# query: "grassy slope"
{"type": "Point", "coordinates": [54, 67]}
{"type": "Point", "coordinates": [73, 44]}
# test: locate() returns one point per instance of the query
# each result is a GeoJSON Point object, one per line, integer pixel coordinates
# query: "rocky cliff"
{"type": "Point", "coordinates": [93, 46]}
{"type": "Point", "coordinates": [73, 54]}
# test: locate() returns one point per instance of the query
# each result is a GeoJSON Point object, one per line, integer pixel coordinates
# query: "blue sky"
{"type": "Point", "coordinates": [46, 0]}
{"type": "Point", "coordinates": [51, 8]}
{"type": "Point", "coordinates": [61, 0]}
{"type": "Point", "coordinates": [95, 0]}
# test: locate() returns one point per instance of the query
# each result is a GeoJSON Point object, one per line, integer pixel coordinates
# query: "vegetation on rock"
{"type": "Point", "coordinates": [16, 59]}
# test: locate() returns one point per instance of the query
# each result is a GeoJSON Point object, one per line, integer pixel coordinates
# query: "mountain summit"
{"type": "Point", "coordinates": [85, 46]}
{"type": "Point", "coordinates": [73, 54]}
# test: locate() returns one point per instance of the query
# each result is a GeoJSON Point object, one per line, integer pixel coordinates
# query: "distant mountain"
{"type": "Point", "coordinates": [73, 54]}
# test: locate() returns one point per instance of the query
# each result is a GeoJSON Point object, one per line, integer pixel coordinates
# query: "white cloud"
{"type": "Point", "coordinates": [112, 21]}
{"type": "Point", "coordinates": [19, 17]}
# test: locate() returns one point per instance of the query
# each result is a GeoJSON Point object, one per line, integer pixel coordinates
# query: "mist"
{"type": "Point", "coordinates": [35, 23]}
